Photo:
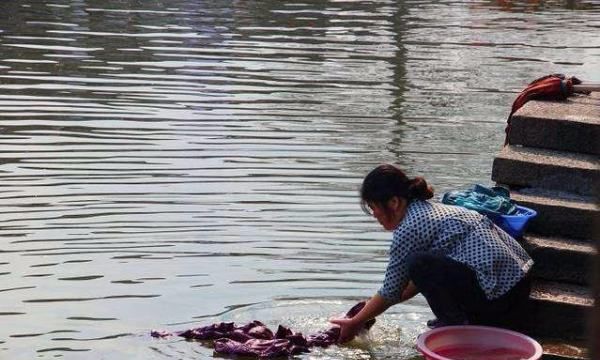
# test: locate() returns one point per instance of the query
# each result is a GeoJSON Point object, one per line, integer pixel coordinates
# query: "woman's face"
{"type": "Point", "coordinates": [391, 216]}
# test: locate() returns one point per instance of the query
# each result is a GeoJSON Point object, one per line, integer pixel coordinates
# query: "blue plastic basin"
{"type": "Point", "coordinates": [514, 225]}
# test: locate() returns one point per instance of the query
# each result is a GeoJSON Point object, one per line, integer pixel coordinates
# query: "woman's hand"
{"type": "Point", "coordinates": [348, 328]}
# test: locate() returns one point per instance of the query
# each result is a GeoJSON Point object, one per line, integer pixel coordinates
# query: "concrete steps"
{"type": "Point", "coordinates": [552, 166]}
{"type": "Point", "coordinates": [547, 169]}
{"type": "Point", "coordinates": [561, 349]}
{"type": "Point", "coordinates": [570, 125]}
{"type": "Point", "coordinates": [560, 259]}
{"type": "Point", "coordinates": [559, 214]}
{"type": "Point", "coordinates": [555, 305]}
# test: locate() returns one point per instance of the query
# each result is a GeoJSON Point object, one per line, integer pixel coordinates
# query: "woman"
{"type": "Point", "coordinates": [469, 270]}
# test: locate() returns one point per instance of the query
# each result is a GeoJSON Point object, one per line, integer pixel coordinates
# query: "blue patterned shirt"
{"type": "Point", "coordinates": [464, 235]}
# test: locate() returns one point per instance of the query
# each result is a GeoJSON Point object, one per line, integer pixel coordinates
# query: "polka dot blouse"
{"type": "Point", "coordinates": [461, 234]}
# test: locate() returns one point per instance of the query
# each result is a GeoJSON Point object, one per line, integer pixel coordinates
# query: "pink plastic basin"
{"type": "Point", "coordinates": [469, 342]}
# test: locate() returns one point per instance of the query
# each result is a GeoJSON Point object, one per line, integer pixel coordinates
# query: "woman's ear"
{"type": "Point", "coordinates": [397, 203]}
{"type": "Point", "coordinates": [392, 204]}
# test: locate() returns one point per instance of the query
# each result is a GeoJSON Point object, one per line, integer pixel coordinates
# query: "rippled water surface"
{"type": "Point", "coordinates": [165, 164]}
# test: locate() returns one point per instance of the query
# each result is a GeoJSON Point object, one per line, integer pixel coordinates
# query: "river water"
{"type": "Point", "coordinates": [168, 164]}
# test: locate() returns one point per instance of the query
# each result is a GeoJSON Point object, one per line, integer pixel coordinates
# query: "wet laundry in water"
{"type": "Point", "coordinates": [256, 339]}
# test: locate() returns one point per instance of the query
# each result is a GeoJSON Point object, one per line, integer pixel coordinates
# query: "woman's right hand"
{"type": "Point", "coordinates": [349, 328]}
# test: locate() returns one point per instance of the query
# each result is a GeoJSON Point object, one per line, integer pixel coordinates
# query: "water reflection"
{"type": "Point", "coordinates": [169, 163]}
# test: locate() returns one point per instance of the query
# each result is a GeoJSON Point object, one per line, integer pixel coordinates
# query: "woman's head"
{"type": "Point", "coordinates": [387, 181]}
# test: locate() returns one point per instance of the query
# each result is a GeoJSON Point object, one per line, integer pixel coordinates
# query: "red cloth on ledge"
{"type": "Point", "coordinates": [549, 87]}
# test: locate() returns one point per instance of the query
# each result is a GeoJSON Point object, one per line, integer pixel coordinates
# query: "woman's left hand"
{"type": "Point", "coordinates": [348, 328]}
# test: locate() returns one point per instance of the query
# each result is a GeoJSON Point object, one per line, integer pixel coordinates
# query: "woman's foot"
{"type": "Point", "coordinates": [436, 323]}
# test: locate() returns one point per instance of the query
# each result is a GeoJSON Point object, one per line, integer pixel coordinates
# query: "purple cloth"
{"type": "Point", "coordinates": [255, 339]}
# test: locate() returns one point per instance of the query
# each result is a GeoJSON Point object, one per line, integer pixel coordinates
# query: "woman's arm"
{"type": "Point", "coordinates": [409, 291]}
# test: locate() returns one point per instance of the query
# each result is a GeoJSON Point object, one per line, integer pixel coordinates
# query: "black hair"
{"type": "Point", "coordinates": [386, 181]}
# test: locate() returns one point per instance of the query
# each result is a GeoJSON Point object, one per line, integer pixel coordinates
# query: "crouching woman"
{"type": "Point", "coordinates": [469, 270]}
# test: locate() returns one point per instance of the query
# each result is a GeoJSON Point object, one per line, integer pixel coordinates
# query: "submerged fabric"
{"type": "Point", "coordinates": [460, 234]}
{"type": "Point", "coordinates": [256, 339]}
{"type": "Point", "coordinates": [484, 200]}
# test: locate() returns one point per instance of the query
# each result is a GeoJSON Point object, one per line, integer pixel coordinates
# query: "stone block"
{"type": "Point", "coordinates": [546, 169]}
{"type": "Point", "coordinates": [559, 310]}
{"type": "Point", "coordinates": [570, 125]}
{"type": "Point", "coordinates": [560, 259]}
{"type": "Point", "coordinates": [560, 214]}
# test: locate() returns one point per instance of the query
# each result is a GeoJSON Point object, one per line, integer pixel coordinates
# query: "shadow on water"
{"type": "Point", "coordinates": [166, 163]}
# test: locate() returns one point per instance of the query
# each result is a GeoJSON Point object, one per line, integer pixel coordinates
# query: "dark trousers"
{"type": "Point", "coordinates": [455, 296]}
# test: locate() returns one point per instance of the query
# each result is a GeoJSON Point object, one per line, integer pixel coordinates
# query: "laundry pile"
{"type": "Point", "coordinates": [256, 339]}
{"type": "Point", "coordinates": [492, 201]}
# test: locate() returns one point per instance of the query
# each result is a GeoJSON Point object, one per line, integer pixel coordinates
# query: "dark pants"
{"type": "Point", "coordinates": [455, 296]}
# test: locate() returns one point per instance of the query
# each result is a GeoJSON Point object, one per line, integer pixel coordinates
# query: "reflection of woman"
{"type": "Point", "coordinates": [468, 269]}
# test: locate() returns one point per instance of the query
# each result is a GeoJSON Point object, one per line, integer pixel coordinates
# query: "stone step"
{"type": "Point", "coordinates": [570, 125]}
{"type": "Point", "coordinates": [559, 214]}
{"type": "Point", "coordinates": [560, 259]}
{"type": "Point", "coordinates": [561, 349]}
{"type": "Point", "coordinates": [546, 169]}
{"type": "Point", "coordinates": [559, 310]}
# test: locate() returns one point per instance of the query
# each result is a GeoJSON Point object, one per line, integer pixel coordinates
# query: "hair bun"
{"type": "Point", "coordinates": [419, 189]}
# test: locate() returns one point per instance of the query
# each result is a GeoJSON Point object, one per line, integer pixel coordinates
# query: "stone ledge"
{"type": "Point", "coordinates": [580, 108]}
{"type": "Point", "coordinates": [560, 349]}
{"type": "Point", "coordinates": [559, 309]}
{"type": "Point", "coordinates": [560, 259]}
{"type": "Point", "coordinates": [570, 125]}
{"type": "Point", "coordinates": [558, 292]}
{"type": "Point", "coordinates": [560, 213]}
{"type": "Point", "coordinates": [546, 169]}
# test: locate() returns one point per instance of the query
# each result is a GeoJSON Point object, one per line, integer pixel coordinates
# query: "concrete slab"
{"type": "Point", "coordinates": [552, 166]}
{"type": "Point", "coordinates": [560, 259]}
{"type": "Point", "coordinates": [559, 292]}
{"type": "Point", "coordinates": [559, 309]}
{"type": "Point", "coordinates": [547, 169]}
{"type": "Point", "coordinates": [560, 349]}
{"type": "Point", "coordinates": [560, 213]}
{"type": "Point", "coordinates": [571, 125]}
